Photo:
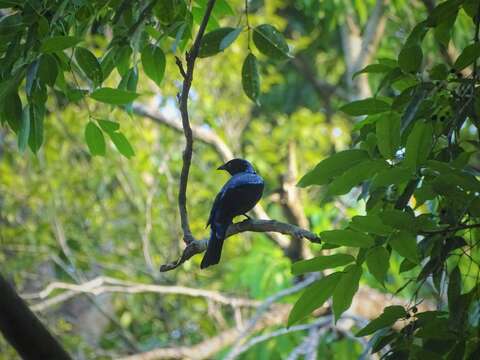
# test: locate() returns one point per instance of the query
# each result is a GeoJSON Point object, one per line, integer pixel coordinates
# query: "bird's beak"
{"type": "Point", "coordinates": [221, 167]}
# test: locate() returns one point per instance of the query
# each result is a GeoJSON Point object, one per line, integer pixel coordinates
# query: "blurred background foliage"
{"type": "Point", "coordinates": [68, 216]}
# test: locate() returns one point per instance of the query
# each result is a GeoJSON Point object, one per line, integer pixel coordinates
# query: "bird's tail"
{"type": "Point", "coordinates": [215, 244]}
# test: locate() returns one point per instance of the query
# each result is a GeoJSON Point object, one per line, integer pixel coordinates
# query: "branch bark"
{"type": "Point", "coordinates": [191, 57]}
{"type": "Point", "coordinates": [23, 330]}
{"type": "Point", "coordinates": [199, 246]}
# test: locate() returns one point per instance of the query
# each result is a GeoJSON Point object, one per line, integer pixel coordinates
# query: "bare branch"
{"type": "Point", "coordinates": [199, 246]}
{"type": "Point", "coordinates": [187, 130]}
{"type": "Point", "coordinates": [103, 284]}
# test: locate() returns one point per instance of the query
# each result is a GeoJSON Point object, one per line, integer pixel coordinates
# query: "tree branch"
{"type": "Point", "coordinates": [199, 246]}
{"type": "Point", "coordinates": [22, 329]}
{"type": "Point", "coordinates": [105, 284]}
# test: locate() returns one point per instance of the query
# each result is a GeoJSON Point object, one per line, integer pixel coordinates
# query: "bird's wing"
{"type": "Point", "coordinates": [214, 207]}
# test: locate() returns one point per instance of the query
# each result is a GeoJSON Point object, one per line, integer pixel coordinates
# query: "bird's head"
{"type": "Point", "coordinates": [236, 166]}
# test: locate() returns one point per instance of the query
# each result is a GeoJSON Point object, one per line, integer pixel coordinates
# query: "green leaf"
{"type": "Point", "coordinates": [48, 69]}
{"type": "Point", "coordinates": [122, 59]}
{"type": "Point", "coordinates": [389, 316]}
{"type": "Point", "coordinates": [368, 106]}
{"type": "Point", "coordinates": [89, 65]}
{"type": "Point", "coordinates": [398, 219]}
{"type": "Point", "coordinates": [347, 287]}
{"type": "Point", "coordinates": [24, 132]}
{"type": "Point", "coordinates": [313, 297]}
{"type": "Point", "coordinates": [12, 111]}
{"type": "Point", "coordinates": [107, 63]}
{"type": "Point", "coordinates": [230, 38]}
{"type": "Point", "coordinates": [347, 238]}
{"type": "Point", "coordinates": [320, 263]}
{"type": "Point", "coordinates": [439, 72]}
{"type": "Point", "coordinates": [370, 224]}
{"type": "Point", "coordinates": [395, 175]}
{"type": "Point", "coordinates": [58, 43]}
{"type": "Point", "coordinates": [373, 69]}
{"type": "Point", "coordinates": [251, 78]}
{"type": "Point", "coordinates": [419, 144]}
{"type": "Point", "coordinates": [122, 144]}
{"type": "Point", "coordinates": [388, 135]}
{"type": "Point", "coordinates": [333, 166]}
{"type": "Point", "coordinates": [35, 138]}
{"type": "Point", "coordinates": [109, 126]}
{"type": "Point", "coordinates": [358, 173]}
{"type": "Point", "coordinates": [378, 263]}
{"type": "Point", "coordinates": [410, 58]}
{"type": "Point", "coordinates": [454, 287]}
{"type": "Point", "coordinates": [405, 244]}
{"type": "Point", "coordinates": [153, 61]}
{"type": "Point", "coordinates": [94, 139]}
{"type": "Point", "coordinates": [468, 56]}
{"type": "Point", "coordinates": [113, 96]}
{"type": "Point", "coordinates": [270, 42]}
{"type": "Point", "coordinates": [217, 40]}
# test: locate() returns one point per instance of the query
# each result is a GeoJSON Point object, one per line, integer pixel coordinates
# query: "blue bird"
{"type": "Point", "coordinates": [238, 196]}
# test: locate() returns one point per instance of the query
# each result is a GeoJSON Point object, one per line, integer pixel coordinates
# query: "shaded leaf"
{"type": "Point", "coordinates": [388, 135]}
{"type": "Point", "coordinates": [370, 224]}
{"type": "Point", "coordinates": [358, 173]}
{"type": "Point", "coordinates": [394, 175]}
{"type": "Point", "coordinates": [12, 111]}
{"type": "Point", "coordinates": [389, 316]}
{"type": "Point", "coordinates": [269, 41]}
{"type": "Point", "coordinates": [410, 58]}
{"type": "Point", "coordinates": [419, 144]}
{"type": "Point", "coordinates": [58, 43]}
{"type": "Point", "coordinates": [217, 40]}
{"type": "Point", "coordinates": [347, 238]}
{"type": "Point", "coordinates": [368, 106]}
{"type": "Point", "coordinates": [89, 65]}
{"type": "Point", "coordinates": [378, 263]}
{"type": "Point", "coordinates": [405, 244]}
{"type": "Point", "coordinates": [468, 56]}
{"type": "Point", "coordinates": [332, 166]}
{"type": "Point", "coordinates": [48, 69]}
{"type": "Point", "coordinates": [24, 131]}
{"type": "Point", "coordinates": [35, 138]}
{"type": "Point", "coordinates": [374, 69]}
{"type": "Point", "coordinates": [398, 219]}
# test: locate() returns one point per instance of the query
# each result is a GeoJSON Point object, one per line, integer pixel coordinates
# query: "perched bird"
{"type": "Point", "coordinates": [238, 196]}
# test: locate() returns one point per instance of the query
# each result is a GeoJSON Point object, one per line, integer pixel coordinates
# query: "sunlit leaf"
{"type": "Point", "coordinates": [217, 40]}
{"type": "Point", "coordinates": [122, 144]}
{"type": "Point", "coordinates": [94, 139]}
{"type": "Point", "coordinates": [153, 61]}
{"type": "Point", "coordinates": [345, 290]}
{"type": "Point", "coordinates": [251, 78]}
{"type": "Point", "coordinates": [313, 297]}
{"type": "Point", "coordinates": [347, 238]}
